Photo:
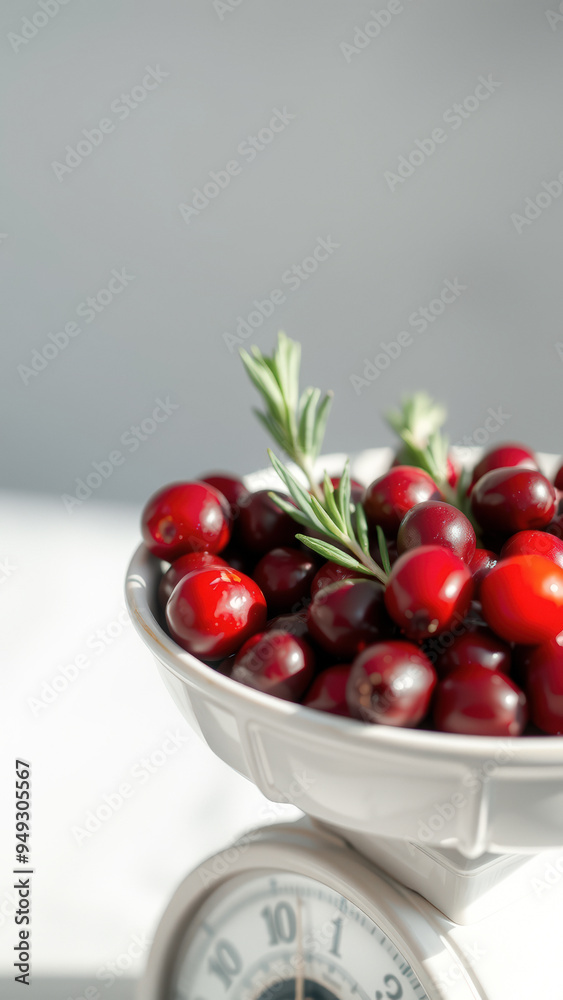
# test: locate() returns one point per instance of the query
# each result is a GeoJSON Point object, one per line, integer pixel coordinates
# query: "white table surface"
{"type": "Point", "coordinates": [96, 899]}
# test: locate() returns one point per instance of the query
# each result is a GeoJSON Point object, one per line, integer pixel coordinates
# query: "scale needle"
{"type": "Point", "coordinates": [300, 964]}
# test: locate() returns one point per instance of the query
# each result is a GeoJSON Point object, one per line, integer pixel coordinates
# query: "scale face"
{"type": "Point", "coordinates": [293, 913]}
{"type": "Point", "coordinates": [280, 936]}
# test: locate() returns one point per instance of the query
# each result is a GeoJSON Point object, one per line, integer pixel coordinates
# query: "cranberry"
{"type": "Point", "coordinates": [509, 500]}
{"type": "Point", "coordinates": [477, 647]}
{"type": "Point", "coordinates": [437, 523]}
{"type": "Point", "coordinates": [429, 589]}
{"type": "Point", "coordinates": [275, 662]}
{"type": "Point", "coordinates": [189, 563]}
{"type": "Point", "coordinates": [328, 691]}
{"type": "Point", "coordinates": [555, 527]}
{"type": "Point", "coordinates": [284, 576]}
{"type": "Point", "coordinates": [528, 543]}
{"type": "Point", "coordinates": [522, 599]}
{"type": "Point", "coordinates": [263, 526]}
{"type": "Point", "coordinates": [185, 517]}
{"type": "Point", "coordinates": [295, 624]}
{"type": "Point", "coordinates": [391, 683]}
{"type": "Point", "coordinates": [212, 612]}
{"type": "Point", "coordinates": [232, 488]}
{"type": "Point", "coordinates": [504, 456]}
{"type": "Point", "coordinates": [347, 616]}
{"type": "Point", "coordinates": [453, 471]}
{"type": "Point", "coordinates": [476, 701]}
{"type": "Point", "coordinates": [482, 562]}
{"type": "Point", "coordinates": [389, 498]}
{"type": "Point", "coordinates": [544, 687]}
{"type": "Point", "coordinates": [331, 572]}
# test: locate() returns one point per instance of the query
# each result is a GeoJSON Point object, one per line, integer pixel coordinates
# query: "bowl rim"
{"type": "Point", "coordinates": [141, 579]}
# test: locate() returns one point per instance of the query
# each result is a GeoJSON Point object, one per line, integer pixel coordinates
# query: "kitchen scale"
{"type": "Point", "coordinates": [427, 864]}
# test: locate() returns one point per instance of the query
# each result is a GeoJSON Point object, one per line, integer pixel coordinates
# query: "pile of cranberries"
{"type": "Point", "coordinates": [465, 637]}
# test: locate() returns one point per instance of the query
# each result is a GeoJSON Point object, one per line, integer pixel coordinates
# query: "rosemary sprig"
{"type": "Point", "coordinates": [418, 423]}
{"type": "Point", "coordinates": [296, 422]}
{"type": "Point", "coordinates": [332, 518]}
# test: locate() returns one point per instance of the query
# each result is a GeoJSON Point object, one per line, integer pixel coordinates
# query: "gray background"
{"type": "Point", "coordinates": [323, 175]}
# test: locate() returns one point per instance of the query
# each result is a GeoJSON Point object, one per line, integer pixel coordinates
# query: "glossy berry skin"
{"type": "Point", "coordinates": [295, 624]}
{"type": "Point", "coordinates": [347, 616]}
{"type": "Point", "coordinates": [276, 663]}
{"type": "Point", "coordinates": [476, 701]}
{"type": "Point", "coordinates": [522, 599]}
{"type": "Point", "coordinates": [435, 522]}
{"type": "Point", "coordinates": [558, 480]}
{"type": "Point", "coordinates": [390, 496]}
{"type": "Point", "coordinates": [476, 647]}
{"type": "Point", "coordinates": [213, 612]}
{"type": "Point", "coordinates": [482, 561]}
{"type": "Point", "coordinates": [510, 500]}
{"type": "Point", "coordinates": [555, 527]}
{"type": "Point", "coordinates": [429, 589]}
{"type": "Point", "coordinates": [186, 517]}
{"type": "Point", "coordinates": [539, 543]}
{"type": "Point", "coordinates": [191, 562]}
{"type": "Point", "coordinates": [328, 691]}
{"type": "Point", "coordinates": [232, 488]}
{"type": "Point", "coordinates": [391, 683]}
{"type": "Point", "coordinates": [263, 526]}
{"type": "Point", "coordinates": [331, 572]}
{"type": "Point", "coordinates": [284, 576]}
{"type": "Point", "coordinates": [544, 687]}
{"type": "Point", "coordinates": [504, 456]}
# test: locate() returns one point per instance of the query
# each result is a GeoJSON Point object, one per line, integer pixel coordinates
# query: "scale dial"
{"type": "Point", "coordinates": [282, 936]}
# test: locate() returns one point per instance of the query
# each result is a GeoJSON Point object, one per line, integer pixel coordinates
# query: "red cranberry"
{"type": "Point", "coordinates": [234, 491]}
{"type": "Point", "coordinates": [277, 663]}
{"type": "Point", "coordinates": [544, 687]}
{"type": "Point", "coordinates": [332, 572]}
{"type": "Point", "coordinates": [437, 523]}
{"type": "Point", "coordinates": [558, 481]}
{"type": "Point", "coordinates": [347, 616]}
{"type": "Point", "coordinates": [453, 471]}
{"type": "Point", "coordinates": [189, 563]}
{"type": "Point", "coordinates": [389, 498]}
{"type": "Point", "coordinates": [429, 589]}
{"type": "Point", "coordinates": [504, 456]}
{"type": "Point", "coordinates": [555, 527]}
{"type": "Point", "coordinates": [295, 624]}
{"type": "Point", "coordinates": [522, 599]}
{"type": "Point", "coordinates": [263, 526]}
{"type": "Point", "coordinates": [509, 500]}
{"type": "Point", "coordinates": [477, 647]}
{"type": "Point", "coordinates": [476, 701]}
{"type": "Point", "coordinates": [284, 576]}
{"type": "Point", "coordinates": [482, 562]}
{"type": "Point", "coordinates": [212, 612]}
{"type": "Point", "coordinates": [185, 517]}
{"type": "Point", "coordinates": [391, 683]}
{"type": "Point", "coordinates": [328, 691]}
{"type": "Point", "coordinates": [529, 543]}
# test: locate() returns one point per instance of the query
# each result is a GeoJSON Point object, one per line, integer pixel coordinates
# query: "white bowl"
{"type": "Point", "coordinates": [474, 794]}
